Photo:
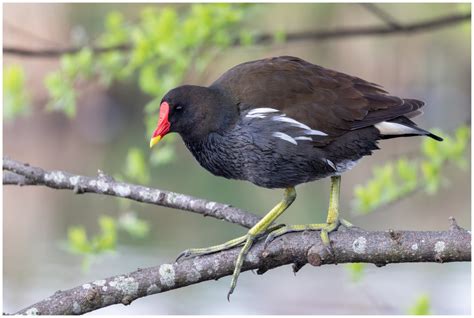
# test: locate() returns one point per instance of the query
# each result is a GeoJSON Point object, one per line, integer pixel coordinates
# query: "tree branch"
{"type": "Point", "coordinates": [56, 52]}
{"type": "Point", "coordinates": [350, 246]}
{"type": "Point", "coordinates": [10, 178]}
{"type": "Point", "coordinates": [382, 15]}
{"type": "Point", "coordinates": [18, 173]}
{"type": "Point", "coordinates": [393, 29]}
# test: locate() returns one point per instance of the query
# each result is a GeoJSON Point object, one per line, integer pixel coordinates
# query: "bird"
{"type": "Point", "coordinates": [279, 122]}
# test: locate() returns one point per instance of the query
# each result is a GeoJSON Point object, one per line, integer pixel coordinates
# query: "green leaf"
{"type": "Point", "coordinates": [356, 271]}
{"type": "Point", "coordinates": [397, 179]}
{"type": "Point", "coordinates": [116, 30]}
{"type": "Point", "coordinates": [77, 240]}
{"type": "Point", "coordinates": [107, 239]}
{"type": "Point", "coordinates": [133, 225]}
{"type": "Point", "coordinates": [279, 37]}
{"type": "Point", "coordinates": [163, 155]}
{"type": "Point", "coordinates": [15, 99]}
{"type": "Point", "coordinates": [78, 64]}
{"type": "Point", "coordinates": [148, 80]}
{"type": "Point", "coordinates": [431, 175]}
{"type": "Point", "coordinates": [136, 167]}
{"type": "Point", "coordinates": [247, 38]}
{"type": "Point", "coordinates": [421, 307]}
{"type": "Point", "coordinates": [114, 20]}
{"type": "Point", "coordinates": [62, 94]}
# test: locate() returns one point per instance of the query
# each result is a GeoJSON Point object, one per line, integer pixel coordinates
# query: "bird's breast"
{"type": "Point", "coordinates": [258, 157]}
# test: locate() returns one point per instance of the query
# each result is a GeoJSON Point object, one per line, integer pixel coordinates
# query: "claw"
{"type": "Point", "coordinates": [182, 255]}
{"type": "Point", "coordinates": [346, 223]}
{"type": "Point", "coordinates": [330, 251]}
{"type": "Point", "coordinates": [268, 240]}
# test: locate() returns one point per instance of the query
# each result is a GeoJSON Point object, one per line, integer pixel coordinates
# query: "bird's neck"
{"type": "Point", "coordinates": [219, 116]}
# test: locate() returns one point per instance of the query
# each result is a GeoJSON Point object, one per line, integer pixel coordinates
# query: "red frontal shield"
{"type": "Point", "coordinates": [163, 124]}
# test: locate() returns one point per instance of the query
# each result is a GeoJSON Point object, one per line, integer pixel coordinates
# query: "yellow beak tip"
{"type": "Point", "coordinates": [154, 141]}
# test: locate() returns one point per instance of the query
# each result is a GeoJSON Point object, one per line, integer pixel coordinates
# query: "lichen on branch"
{"type": "Point", "coordinates": [350, 246]}
{"type": "Point", "coordinates": [17, 173]}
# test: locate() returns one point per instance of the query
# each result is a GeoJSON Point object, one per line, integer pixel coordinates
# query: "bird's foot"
{"type": "Point", "coordinates": [194, 252]}
{"type": "Point", "coordinates": [325, 229]}
{"type": "Point", "coordinates": [247, 242]}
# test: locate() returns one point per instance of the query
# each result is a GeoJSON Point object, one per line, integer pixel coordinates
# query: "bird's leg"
{"type": "Point", "coordinates": [258, 230]}
{"type": "Point", "coordinates": [332, 221]}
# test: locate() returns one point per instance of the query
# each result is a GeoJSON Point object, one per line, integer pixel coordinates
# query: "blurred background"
{"type": "Point", "coordinates": [87, 111]}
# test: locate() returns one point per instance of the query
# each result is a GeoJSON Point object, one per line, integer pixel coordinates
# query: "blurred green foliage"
{"type": "Point", "coordinates": [402, 177]}
{"type": "Point", "coordinates": [105, 241]}
{"type": "Point", "coordinates": [157, 51]}
{"type": "Point", "coordinates": [421, 307]}
{"type": "Point", "coordinates": [15, 99]}
{"type": "Point", "coordinates": [136, 166]}
{"type": "Point", "coordinates": [356, 271]}
{"type": "Point", "coordinates": [134, 226]}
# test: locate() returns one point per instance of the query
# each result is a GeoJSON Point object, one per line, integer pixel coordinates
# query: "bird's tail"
{"type": "Point", "coordinates": [402, 127]}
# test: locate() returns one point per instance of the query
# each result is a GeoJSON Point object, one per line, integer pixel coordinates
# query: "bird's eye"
{"type": "Point", "coordinates": [179, 107]}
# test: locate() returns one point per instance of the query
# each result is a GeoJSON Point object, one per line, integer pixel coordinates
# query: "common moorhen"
{"type": "Point", "coordinates": [279, 122]}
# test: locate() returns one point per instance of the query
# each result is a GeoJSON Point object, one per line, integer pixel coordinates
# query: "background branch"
{"type": "Point", "coordinates": [19, 173]}
{"type": "Point", "coordinates": [350, 246]}
{"type": "Point", "coordinates": [394, 28]}
{"type": "Point", "coordinates": [382, 15]}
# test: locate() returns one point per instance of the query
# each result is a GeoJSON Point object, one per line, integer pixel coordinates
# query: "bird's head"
{"type": "Point", "coordinates": [191, 111]}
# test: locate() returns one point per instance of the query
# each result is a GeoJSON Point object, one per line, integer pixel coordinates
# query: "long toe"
{"type": "Point", "coordinates": [194, 252]}
{"type": "Point", "coordinates": [239, 262]}
{"type": "Point", "coordinates": [294, 228]}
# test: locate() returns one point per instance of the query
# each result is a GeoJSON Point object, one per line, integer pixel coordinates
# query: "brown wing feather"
{"type": "Point", "coordinates": [321, 98]}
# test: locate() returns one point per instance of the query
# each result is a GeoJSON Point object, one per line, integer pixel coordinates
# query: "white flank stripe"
{"type": "Point", "coordinates": [308, 131]}
{"type": "Point", "coordinates": [284, 137]}
{"type": "Point", "coordinates": [291, 121]}
{"type": "Point", "coordinates": [387, 128]}
{"type": "Point", "coordinates": [330, 163]}
{"type": "Point", "coordinates": [256, 116]}
{"type": "Point", "coordinates": [303, 138]}
{"type": "Point", "coordinates": [258, 112]}
{"type": "Point", "coordinates": [315, 132]}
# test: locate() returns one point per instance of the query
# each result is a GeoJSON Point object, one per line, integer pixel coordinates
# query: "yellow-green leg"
{"type": "Point", "coordinates": [225, 246]}
{"type": "Point", "coordinates": [247, 240]}
{"type": "Point", "coordinates": [332, 221]}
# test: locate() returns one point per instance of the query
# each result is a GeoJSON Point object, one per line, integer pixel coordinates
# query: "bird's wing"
{"type": "Point", "coordinates": [322, 99]}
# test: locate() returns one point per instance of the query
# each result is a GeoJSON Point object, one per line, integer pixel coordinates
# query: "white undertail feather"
{"type": "Point", "coordinates": [393, 129]}
{"type": "Point", "coordinates": [284, 137]}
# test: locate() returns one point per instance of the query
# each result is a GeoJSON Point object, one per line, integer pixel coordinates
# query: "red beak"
{"type": "Point", "coordinates": [163, 124]}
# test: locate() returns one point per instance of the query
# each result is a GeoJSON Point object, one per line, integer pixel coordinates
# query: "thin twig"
{"type": "Point", "coordinates": [350, 246]}
{"type": "Point", "coordinates": [25, 32]}
{"type": "Point", "coordinates": [382, 15]}
{"type": "Point", "coordinates": [268, 38]}
{"type": "Point", "coordinates": [103, 184]}
{"type": "Point", "coordinates": [56, 52]}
